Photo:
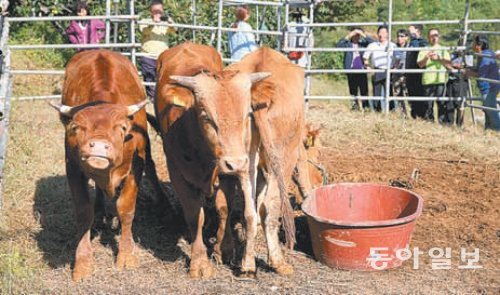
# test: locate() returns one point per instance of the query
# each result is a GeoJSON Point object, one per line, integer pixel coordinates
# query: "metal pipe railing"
{"type": "Point", "coordinates": [74, 46]}
{"type": "Point", "coordinates": [70, 18]}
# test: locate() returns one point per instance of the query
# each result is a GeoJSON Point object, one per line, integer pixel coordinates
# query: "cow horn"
{"type": "Point", "coordinates": [188, 81]}
{"type": "Point", "coordinates": [256, 77]}
{"type": "Point", "coordinates": [131, 110]}
{"type": "Point", "coordinates": [62, 109]}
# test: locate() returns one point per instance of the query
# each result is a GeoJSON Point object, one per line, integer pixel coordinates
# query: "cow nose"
{"type": "Point", "coordinates": [233, 164]}
{"type": "Point", "coordinates": [100, 148]}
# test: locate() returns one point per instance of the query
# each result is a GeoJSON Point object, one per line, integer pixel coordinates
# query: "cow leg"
{"type": "Point", "coordinates": [192, 205]}
{"type": "Point", "coordinates": [270, 214]}
{"type": "Point", "coordinates": [224, 247]}
{"type": "Point", "coordinates": [84, 214]}
{"type": "Point", "coordinates": [99, 209]}
{"type": "Point", "coordinates": [125, 207]}
{"type": "Point", "coordinates": [248, 264]}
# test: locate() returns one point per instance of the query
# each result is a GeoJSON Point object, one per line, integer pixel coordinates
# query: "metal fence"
{"type": "Point", "coordinates": [283, 32]}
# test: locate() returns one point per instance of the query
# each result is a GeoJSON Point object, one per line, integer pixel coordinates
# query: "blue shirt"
{"type": "Point", "coordinates": [487, 68]}
{"type": "Point", "coordinates": [241, 43]}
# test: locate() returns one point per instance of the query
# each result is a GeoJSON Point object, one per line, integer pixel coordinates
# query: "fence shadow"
{"type": "Point", "coordinates": [53, 207]}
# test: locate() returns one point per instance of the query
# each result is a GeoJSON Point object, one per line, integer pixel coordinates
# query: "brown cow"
{"type": "Point", "coordinates": [278, 109]}
{"type": "Point", "coordinates": [106, 141]}
{"type": "Point", "coordinates": [204, 116]}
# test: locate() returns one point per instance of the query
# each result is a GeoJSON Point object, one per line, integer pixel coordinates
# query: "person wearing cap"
{"type": "Point", "coordinates": [434, 59]}
{"type": "Point", "coordinates": [241, 43]}
{"type": "Point", "coordinates": [154, 42]}
{"type": "Point", "coordinates": [487, 68]}
{"type": "Point", "coordinates": [353, 60]}
{"type": "Point", "coordinates": [399, 79]}
{"type": "Point", "coordinates": [299, 37]}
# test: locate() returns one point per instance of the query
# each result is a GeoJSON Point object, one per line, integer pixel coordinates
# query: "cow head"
{"type": "Point", "coordinates": [223, 107]}
{"type": "Point", "coordinates": [98, 132]}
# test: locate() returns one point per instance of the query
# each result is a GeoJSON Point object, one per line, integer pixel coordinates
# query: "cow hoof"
{"type": "Point", "coordinates": [83, 269]}
{"type": "Point", "coordinates": [203, 271]}
{"type": "Point", "coordinates": [284, 269]}
{"type": "Point", "coordinates": [248, 274]}
{"type": "Point", "coordinates": [217, 257]}
{"type": "Point", "coordinates": [127, 260]}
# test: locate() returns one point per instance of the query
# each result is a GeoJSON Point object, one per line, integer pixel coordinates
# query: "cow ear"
{"type": "Point", "coordinates": [256, 77]}
{"type": "Point", "coordinates": [62, 109]}
{"type": "Point", "coordinates": [131, 110]}
{"type": "Point", "coordinates": [187, 81]}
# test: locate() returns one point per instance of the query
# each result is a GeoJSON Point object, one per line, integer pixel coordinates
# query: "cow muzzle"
{"type": "Point", "coordinates": [233, 165]}
{"type": "Point", "coordinates": [97, 154]}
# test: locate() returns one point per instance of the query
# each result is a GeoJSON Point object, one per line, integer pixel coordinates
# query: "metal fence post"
{"type": "Point", "coordinates": [464, 43]}
{"type": "Point", "coordinates": [108, 23]}
{"type": "Point", "coordinates": [132, 31]}
{"type": "Point", "coordinates": [219, 26]}
{"type": "Point", "coordinates": [387, 92]}
{"type": "Point", "coordinates": [310, 38]}
{"type": "Point", "coordinates": [193, 11]}
{"type": "Point", "coordinates": [115, 25]}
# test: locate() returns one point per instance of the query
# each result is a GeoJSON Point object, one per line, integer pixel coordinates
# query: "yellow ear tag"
{"type": "Point", "coordinates": [309, 141]}
{"type": "Point", "coordinates": [178, 102]}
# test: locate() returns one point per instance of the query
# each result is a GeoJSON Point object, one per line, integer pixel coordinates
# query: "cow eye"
{"type": "Point", "coordinates": [124, 128]}
{"type": "Point", "coordinates": [73, 127]}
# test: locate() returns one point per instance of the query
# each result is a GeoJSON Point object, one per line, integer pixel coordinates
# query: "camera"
{"type": "Point", "coordinates": [164, 18]}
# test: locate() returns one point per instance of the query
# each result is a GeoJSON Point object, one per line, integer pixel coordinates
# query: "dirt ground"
{"type": "Point", "coordinates": [459, 181]}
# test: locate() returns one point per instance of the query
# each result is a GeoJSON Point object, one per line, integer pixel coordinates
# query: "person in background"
{"type": "Point", "coordinates": [85, 31]}
{"type": "Point", "coordinates": [353, 60]}
{"type": "Point", "coordinates": [376, 58]}
{"type": "Point", "coordinates": [434, 82]}
{"type": "Point", "coordinates": [399, 79]}
{"type": "Point", "coordinates": [154, 42]}
{"type": "Point", "coordinates": [241, 43]}
{"type": "Point", "coordinates": [456, 89]}
{"type": "Point", "coordinates": [414, 80]}
{"type": "Point", "coordinates": [299, 37]}
{"type": "Point", "coordinates": [487, 68]}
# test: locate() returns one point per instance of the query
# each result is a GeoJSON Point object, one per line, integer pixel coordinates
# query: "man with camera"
{"type": "Point", "coordinates": [154, 42]}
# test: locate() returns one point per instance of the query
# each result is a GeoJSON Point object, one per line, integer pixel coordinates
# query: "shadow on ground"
{"type": "Point", "coordinates": [153, 230]}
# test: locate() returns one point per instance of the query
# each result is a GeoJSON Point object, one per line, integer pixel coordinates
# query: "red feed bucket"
{"type": "Point", "coordinates": [361, 226]}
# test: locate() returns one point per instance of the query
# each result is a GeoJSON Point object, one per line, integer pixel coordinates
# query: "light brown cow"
{"type": "Point", "coordinates": [278, 109]}
{"type": "Point", "coordinates": [106, 141]}
{"type": "Point", "coordinates": [204, 117]}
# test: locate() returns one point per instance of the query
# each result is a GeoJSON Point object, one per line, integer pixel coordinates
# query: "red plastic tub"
{"type": "Point", "coordinates": [361, 226]}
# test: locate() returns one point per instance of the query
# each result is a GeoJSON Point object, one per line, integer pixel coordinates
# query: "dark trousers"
{"type": "Point", "coordinates": [415, 88]}
{"type": "Point", "coordinates": [456, 90]}
{"type": "Point", "coordinates": [438, 91]}
{"type": "Point", "coordinates": [148, 69]}
{"type": "Point", "coordinates": [379, 90]}
{"type": "Point", "coordinates": [358, 83]}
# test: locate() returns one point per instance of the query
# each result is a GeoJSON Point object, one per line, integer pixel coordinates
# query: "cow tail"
{"type": "Point", "coordinates": [275, 160]}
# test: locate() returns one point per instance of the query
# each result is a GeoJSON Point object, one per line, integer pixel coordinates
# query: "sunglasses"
{"type": "Point", "coordinates": [402, 36]}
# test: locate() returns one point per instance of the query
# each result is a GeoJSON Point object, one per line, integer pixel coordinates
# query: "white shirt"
{"type": "Point", "coordinates": [378, 59]}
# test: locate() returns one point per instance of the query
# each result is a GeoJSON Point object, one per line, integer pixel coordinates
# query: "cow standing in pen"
{"type": "Point", "coordinates": [106, 141]}
{"type": "Point", "coordinates": [278, 112]}
{"type": "Point", "coordinates": [204, 116]}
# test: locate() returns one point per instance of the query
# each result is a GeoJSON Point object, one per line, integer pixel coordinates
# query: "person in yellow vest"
{"type": "Point", "coordinates": [434, 82]}
{"type": "Point", "coordinates": [154, 42]}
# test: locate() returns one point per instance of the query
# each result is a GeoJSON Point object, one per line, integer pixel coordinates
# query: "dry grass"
{"type": "Point", "coordinates": [459, 182]}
